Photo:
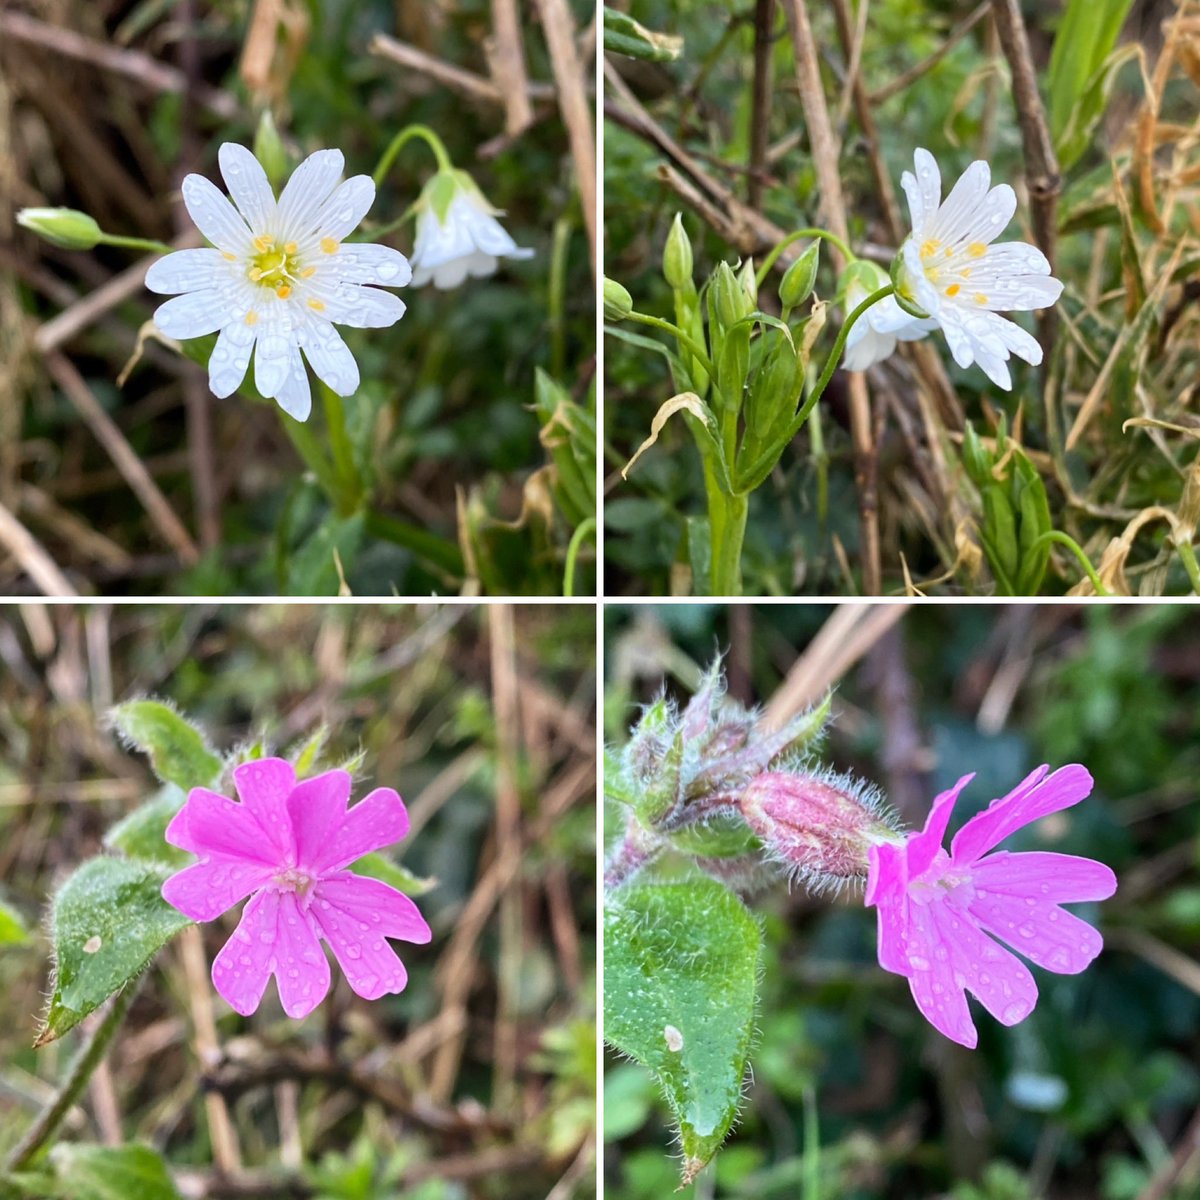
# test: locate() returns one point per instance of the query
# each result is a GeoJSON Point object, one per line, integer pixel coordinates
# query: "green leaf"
{"type": "Point", "coordinates": [177, 750]}
{"type": "Point", "coordinates": [13, 930]}
{"type": "Point", "coordinates": [313, 569]}
{"type": "Point", "coordinates": [680, 976]}
{"type": "Point", "coordinates": [109, 920]}
{"type": "Point", "coordinates": [378, 866]}
{"type": "Point", "coordinates": [111, 1173]}
{"type": "Point", "coordinates": [720, 837]}
{"type": "Point", "coordinates": [305, 756]}
{"type": "Point", "coordinates": [141, 833]}
{"type": "Point", "coordinates": [623, 35]}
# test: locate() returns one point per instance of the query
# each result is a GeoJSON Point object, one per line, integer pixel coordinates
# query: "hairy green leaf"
{"type": "Point", "coordinates": [378, 866]}
{"type": "Point", "coordinates": [141, 833]}
{"type": "Point", "coordinates": [177, 750]}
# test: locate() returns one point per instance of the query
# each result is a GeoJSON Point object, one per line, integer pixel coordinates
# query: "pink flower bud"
{"type": "Point", "coordinates": [821, 828]}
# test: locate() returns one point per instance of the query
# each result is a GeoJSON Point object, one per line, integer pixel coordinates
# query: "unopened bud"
{"type": "Point", "coordinates": [749, 281]}
{"type": "Point", "coordinates": [730, 296]}
{"type": "Point", "coordinates": [65, 227]}
{"type": "Point", "coordinates": [823, 829]}
{"type": "Point", "coordinates": [268, 149]}
{"type": "Point", "coordinates": [677, 255]}
{"type": "Point", "coordinates": [800, 278]}
{"type": "Point", "coordinates": [618, 303]}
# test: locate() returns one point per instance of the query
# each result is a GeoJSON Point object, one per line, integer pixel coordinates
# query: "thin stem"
{"type": "Point", "coordinates": [310, 451]}
{"type": "Point", "coordinates": [136, 243]}
{"type": "Point", "coordinates": [350, 487]}
{"type": "Point", "coordinates": [439, 551]}
{"type": "Point", "coordinates": [401, 139]}
{"type": "Point", "coordinates": [697, 350]}
{"type": "Point", "coordinates": [1065, 539]}
{"type": "Point", "coordinates": [1188, 557]}
{"type": "Point", "coordinates": [81, 1070]}
{"type": "Point", "coordinates": [573, 547]}
{"type": "Point", "coordinates": [375, 232]}
{"type": "Point", "coordinates": [771, 258]}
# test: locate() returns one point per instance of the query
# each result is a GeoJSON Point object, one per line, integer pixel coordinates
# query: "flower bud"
{"type": "Point", "coordinates": [976, 459]}
{"type": "Point", "coordinates": [268, 149]}
{"type": "Point", "coordinates": [820, 828]}
{"type": "Point", "coordinates": [677, 255]}
{"type": "Point", "coordinates": [618, 303]}
{"type": "Point", "coordinates": [65, 227]}
{"type": "Point", "coordinates": [749, 281]}
{"type": "Point", "coordinates": [906, 292]}
{"type": "Point", "coordinates": [800, 278]}
{"type": "Point", "coordinates": [729, 296]}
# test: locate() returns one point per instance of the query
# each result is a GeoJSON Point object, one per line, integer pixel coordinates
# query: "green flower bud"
{"type": "Point", "coordinates": [749, 282]}
{"type": "Point", "coordinates": [65, 227]}
{"type": "Point", "coordinates": [976, 459]}
{"type": "Point", "coordinates": [800, 278]}
{"type": "Point", "coordinates": [677, 255]}
{"type": "Point", "coordinates": [729, 296]}
{"type": "Point", "coordinates": [268, 149]}
{"type": "Point", "coordinates": [618, 303]}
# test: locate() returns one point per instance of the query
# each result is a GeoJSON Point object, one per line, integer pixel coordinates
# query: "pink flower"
{"type": "Point", "coordinates": [287, 846]}
{"type": "Point", "coordinates": [937, 909]}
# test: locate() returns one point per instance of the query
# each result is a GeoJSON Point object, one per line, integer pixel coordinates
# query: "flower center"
{"type": "Point", "coordinates": [943, 881]}
{"type": "Point", "coordinates": [293, 880]}
{"type": "Point", "coordinates": [275, 267]}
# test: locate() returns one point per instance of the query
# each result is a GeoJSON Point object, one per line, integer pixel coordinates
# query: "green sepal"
{"type": "Point", "coordinates": [177, 750]}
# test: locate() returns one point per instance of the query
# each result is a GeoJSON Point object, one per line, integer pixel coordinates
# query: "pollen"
{"type": "Point", "coordinates": [255, 274]}
{"type": "Point", "coordinates": [283, 291]}
{"type": "Point", "coordinates": [263, 243]}
{"type": "Point", "coordinates": [980, 298]}
{"type": "Point", "coordinates": [954, 289]}
{"type": "Point", "coordinates": [930, 247]}
{"type": "Point", "coordinates": [252, 317]}
{"type": "Point", "coordinates": [329, 245]}
{"type": "Point", "coordinates": [228, 257]}
{"type": "Point", "coordinates": [290, 248]}
{"type": "Point", "coordinates": [976, 249]}
{"type": "Point", "coordinates": [308, 272]}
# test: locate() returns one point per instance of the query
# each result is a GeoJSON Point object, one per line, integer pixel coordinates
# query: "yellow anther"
{"type": "Point", "coordinates": [929, 247]}
{"type": "Point", "coordinates": [308, 272]}
{"type": "Point", "coordinates": [954, 289]}
{"type": "Point", "coordinates": [976, 249]}
{"type": "Point", "coordinates": [255, 274]}
{"type": "Point", "coordinates": [931, 273]}
{"type": "Point", "coordinates": [264, 243]}
{"type": "Point", "coordinates": [283, 291]}
{"type": "Point", "coordinates": [290, 248]}
{"type": "Point", "coordinates": [228, 257]}
{"type": "Point", "coordinates": [329, 245]}
{"type": "Point", "coordinates": [980, 298]}
{"type": "Point", "coordinates": [316, 306]}
{"type": "Point", "coordinates": [252, 317]}
{"type": "Point", "coordinates": [965, 272]}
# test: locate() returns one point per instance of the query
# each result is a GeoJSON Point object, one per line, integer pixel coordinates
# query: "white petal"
{"type": "Point", "coordinates": [1015, 339]}
{"type": "Point", "coordinates": [272, 359]}
{"type": "Point", "coordinates": [477, 265]}
{"type": "Point", "coordinates": [295, 396]}
{"type": "Point", "coordinates": [230, 358]}
{"type": "Point", "coordinates": [1007, 259]}
{"type": "Point", "coordinates": [192, 315]}
{"type": "Point", "coordinates": [925, 191]}
{"type": "Point", "coordinates": [888, 317]}
{"type": "Point", "coordinates": [926, 295]}
{"type": "Point", "coordinates": [306, 191]}
{"type": "Point", "coordinates": [996, 369]}
{"type": "Point", "coordinates": [437, 243]}
{"type": "Point", "coordinates": [366, 262]}
{"type": "Point", "coordinates": [330, 357]}
{"type": "Point", "coordinates": [490, 236]}
{"type": "Point", "coordinates": [961, 345]}
{"type": "Point", "coordinates": [1017, 294]}
{"type": "Point", "coordinates": [343, 211]}
{"type": "Point", "coordinates": [959, 211]}
{"type": "Point", "coordinates": [992, 216]}
{"type": "Point", "coordinates": [248, 185]}
{"type": "Point", "coordinates": [214, 216]}
{"type": "Point", "coordinates": [361, 307]}
{"type": "Point", "coordinates": [868, 348]}
{"type": "Point", "coordinates": [188, 271]}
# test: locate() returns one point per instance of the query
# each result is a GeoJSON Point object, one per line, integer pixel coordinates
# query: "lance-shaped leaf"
{"type": "Point", "coordinates": [704, 426]}
{"type": "Point", "coordinates": [680, 978]}
{"type": "Point", "coordinates": [108, 921]}
{"type": "Point", "coordinates": [623, 35]}
{"type": "Point", "coordinates": [176, 749]}
{"type": "Point", "coordinates": [111, 1173]}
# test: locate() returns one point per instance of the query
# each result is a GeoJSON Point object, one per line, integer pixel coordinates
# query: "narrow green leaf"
{"type": "Point", "coordinates": [141, 833]}
{"type": "Point", "coordinates": [379, 866]}
{"type": "Point", "coordinates": [623, 35]}
{"type": "Point", "coordinates": [680, 977]}
{"type": "Point", "coordinates": [305, 756]}
{"type": "Point", "coordinates": [109, 920]}
{"type": "Point", "coordinates": [111, 1173]}
{"type": "Point", "coordinates": [177, 750]}
{"type": "Point", "coordinates": [314, 567]}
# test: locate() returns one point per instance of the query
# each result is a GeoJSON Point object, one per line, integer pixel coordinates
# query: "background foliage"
{"type": "Point", "coordinates": [476, 1082]}
{"type": "Point", "coordinates": [852, 1095]}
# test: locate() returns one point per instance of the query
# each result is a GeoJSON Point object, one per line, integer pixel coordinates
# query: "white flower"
{"type": "Point", "coordinates": [457, 233]}
{"type": "Point", "coordinates": [873, 337]}
{"type": "Point", "coordinates": [279, 277]}
{"type": "Point", "coordinates": [948, 268]}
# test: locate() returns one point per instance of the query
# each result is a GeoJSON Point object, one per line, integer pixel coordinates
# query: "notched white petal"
{"type": "Point", "coordinates": [192, 315]}
{"type": "Point", "coordinates": [230, 359]}
{"type": "Point", "coordinates": [295, 395]}
{"type": "Point", "coordinates": [215, 216]}
{"type": "Point", "coordinates": [248, 185]}
{"type": "Point", "coordinates": [345, 209]}
{"type": "Point", "coordinates": [367, 262]}
{"type": "Point", "coordinates": [309, 188]}
{"type": "Point", "coordinates": [188, 271]}
{"type": "Point", "coordinates": [362, 307]}
{"type": "Point", "coordinates": [330, 357]}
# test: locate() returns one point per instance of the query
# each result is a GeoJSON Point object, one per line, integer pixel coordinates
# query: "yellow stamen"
{"type": "Point", "coordinates": [929, 247]}
{"type": "Point", "coordinates": [228, 257]}
{"type": "Point", "coordinates": [976, 249]}
{"type": "Point", "coordinates": [255, 274]}
{"type": "Point", "coordinates": [308, 272]}
{"type": "Point", "coordinates": [329, 245]}
{"type": "Point", "coordinates": [316, 306]}
{"type": "Point", "coordinates": [953, 289]}
{"type": "Point", "coordinates": [264, 243]}
{"type": "Point", "coordinates": [252, 317]}
{"type": "Point", "coordinates": [283, 291]}
{"type": "Point", "coordinates": [290, 248]}
{"type": "Point", "coordinates": [980, 298]}
{"type": "Point", "coordinates": [965, 272]}
{"type": "Point", "coordinates": [931, 273]}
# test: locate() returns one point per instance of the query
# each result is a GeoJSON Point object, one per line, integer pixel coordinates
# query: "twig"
{"type": "Point", "coordinates": [32, 557]}
{"type": "Point", "coordinates": [760, 112]}
{"type": "Point", "coordinates": [123, 456]}
{"type": "Point", "coordinates": [506, 56]}
{"type": "Point", "coordinates": [1183, 1167]}
{"type": "Point", "coordinates": [139, 67]}
{"type": "Point", "coordinates": [909, 77]}
{"type": "Point", "coordinates": [558, 25]}
{"type": "Point", "coordinates": [259, 47]}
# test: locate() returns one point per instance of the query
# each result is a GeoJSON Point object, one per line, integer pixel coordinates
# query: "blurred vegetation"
{"type": "Point", "coordinates": [444, 431]}
{"type": "Point", "coordinates": [1120, 82]}
{"type": "Point", "coordinates": [476, 1082]}
{"type": "Point", "coordinates": [852, 1095]}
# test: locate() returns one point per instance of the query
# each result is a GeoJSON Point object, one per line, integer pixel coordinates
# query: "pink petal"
{"type": "Point", "coordinates": [206, 889]}
{"type": "Point", "coordinates": [274, 937]}
{"type": "Point", "coordinates": [213, 824]}
{"type": "Point", "coordinates": [1044, 875]}
{"type": "Point", "coordinates": [378, 820]}
{"type": "Point", "coordinates": [372, 903]}
{"type": "Point", "coordinates": [1048, 935]}
{"type": "Point", "coordinates": [264, 784]}
{"type": "Point", "coordinates": [887, 882]}
{"type": "Point", "coordinates": [1036, 796]}
{"type": "Point", "coordinates": [922, 847]}
{"type": "Point", "coordinates": [316, 808]}
{"type": "Point", "coordinates": [368, 961]}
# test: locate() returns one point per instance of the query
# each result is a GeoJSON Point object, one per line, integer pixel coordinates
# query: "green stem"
{"type": "Point", "coordinates": [812, 1146]}
{"type": "Point", "coordinates": [694, 347]}
{"type": "Point", "coordinates": [727, 530]}
{"type": "Point", "coordinates": [349, 485]}
{"type": "Point", "coordinates": [1188, 557]}
{"type": "Point", "coordinates": [81, 1070]}
{"type": "Point", "coordinates": [136, 243]}
{"type": "Point", "coordinates": [441, 552]}
{"type": "Point", "coordinates": [309, 450]}
{"type": "Point", "coordinates": [773, 257]}
{"type": "Point", "coordinates": [573, 548]}
{"type": "Point", "coordinates": [1065, 539]}
{"type": "Point", "coordinates": [401, 139]}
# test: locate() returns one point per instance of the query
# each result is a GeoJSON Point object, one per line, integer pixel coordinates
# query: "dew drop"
{"type": "Point", "coordinates": [1026, 931]}
{"type": "Point", "coordinates": [919, 963]}
{"type": "Point", "coordinates": [354, 950]}
{"type": "Point", "coordinates": [1014, 1013]}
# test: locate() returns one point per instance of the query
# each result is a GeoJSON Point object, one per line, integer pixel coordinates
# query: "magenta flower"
{"type": "Point", "coordinates": [937, 909]}
{"type": "Point", "coordinates": [287, 846]}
